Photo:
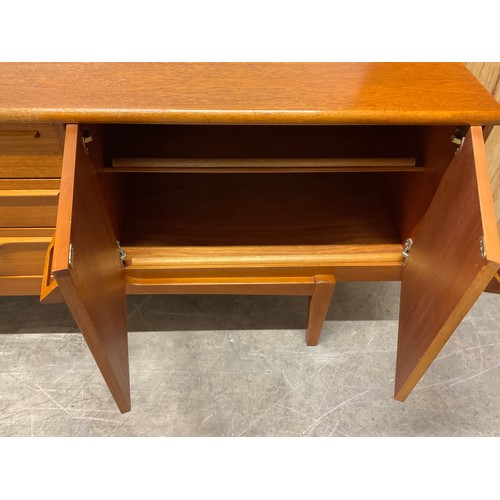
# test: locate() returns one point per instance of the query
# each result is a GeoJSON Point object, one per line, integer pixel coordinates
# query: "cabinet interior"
{"type": "Point", "coordinates": [223, 148]}
{"type": "Point", "coordinates": [168, 211]}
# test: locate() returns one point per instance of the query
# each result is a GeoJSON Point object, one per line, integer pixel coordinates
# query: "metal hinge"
{"type": "Point", "coordinates": [121, 252]}
{"type": "Point", "coordinates": [482, 249]}
{"type": "Point", "coordinates": [86, 138]}
{"type": "Point", "coordinates": [71, 255]}
{"type": "Point", "coordinates": [407, 250]}
{"type": "Point", "coordinates": [458, 138]}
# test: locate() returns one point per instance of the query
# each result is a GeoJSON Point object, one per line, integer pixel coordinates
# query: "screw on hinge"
{"type": "Point", "coordinates": [71, 255]}
{"type": "Point", "coordinates": [121, 252]}
{"type": "Point", "coordinates": [407, 250]}
{"type": "Point", "coordinates": [86, 139]}
{"type": "Point", "coordinates": [458, 138]}
{"type": "Point", "coordinates": [482, 249]}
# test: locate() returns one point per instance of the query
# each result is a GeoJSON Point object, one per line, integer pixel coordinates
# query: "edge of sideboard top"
{"type": "Point", "coordinates": [246, 93]}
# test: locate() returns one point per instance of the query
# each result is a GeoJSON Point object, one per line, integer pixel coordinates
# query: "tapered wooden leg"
{"type": "Point", "coordinates": [319, 302]}
{"type": "Point", "coordinates": [494, 286]}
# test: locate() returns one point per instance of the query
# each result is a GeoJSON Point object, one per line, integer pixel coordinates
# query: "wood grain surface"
{"type": "Point", "coordinates": [493, 154]}
{"type": "Point", "coordinates": [494, 284]}
{"type": "Point", "coordinates": [407, 196]}
{"type": "Point", "coordinates": [20, 285]}
{"type": "Point", "coordinates": [319, 302]}
{"type": "Point", "coordinates": [288, 93]}
{"type": "Point", "coordinates": [28, 184]}
{"type": "Point", "coordinates": [343, 271]}
{"type": "Point", "coordinates": [319, 288]}
{"type": "Point", "coordinates": [22, 255]}
{"type": "Point", "coordinates": [182, 224]}
{"type": "Point", "coordinates": [28, 207]}
{"type": "Point", "coordinates": [261, 255]}
{"type": "Point", "coordinates": [94, 286]}
{"type": "Point", "coordinates": [276, 148]}
{"type": "Point", "coordinates": [183, 210]}
{"type": "Point", "coordinates": [11, 232]}
{"type": "Point", "coordinates": [244, 285]}
{"type": "Point", "coordinates": [287, 165]}
{"type": "Point", "coordinates": [446, 272]}
{"type": "Point", "coordinates": [29, 139]}
{"type": "Point", "coordinates": [489, 75]}
{"type": "Point", "coordinates": [30, 166]}
{"type": "Point", "coordinates": [50, 293]}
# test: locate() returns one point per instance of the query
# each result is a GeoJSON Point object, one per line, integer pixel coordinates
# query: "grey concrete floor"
{"type": "Point", "coordinates": [239, 366]}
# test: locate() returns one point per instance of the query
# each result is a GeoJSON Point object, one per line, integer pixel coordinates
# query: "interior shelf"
{"type": "Point", "coordinates": [177, 219]}
{"type": "Point", "coordinates": [277, 148]}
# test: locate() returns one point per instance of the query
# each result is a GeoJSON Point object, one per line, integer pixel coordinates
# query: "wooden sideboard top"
{"type": "Point", "coordinates": [245, 93]}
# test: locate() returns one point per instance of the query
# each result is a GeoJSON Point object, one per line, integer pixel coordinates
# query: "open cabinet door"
{"type": "Point", "coordinates": [454, 256]}
{"type": "Point", "coordinates": [87, 266]}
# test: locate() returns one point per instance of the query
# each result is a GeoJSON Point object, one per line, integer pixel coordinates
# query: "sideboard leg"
{"type": "Point", "coordinates": [319, 303]}
{"type": "Point", "coordinates": [494, 285]}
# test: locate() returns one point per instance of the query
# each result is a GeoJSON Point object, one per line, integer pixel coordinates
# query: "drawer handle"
{"type": "Point", "coordinates": [35, 134]}
{"type": "Point", "coordinates": [29, 193]}
{"type": "Point", "coordinates": [50, 292]}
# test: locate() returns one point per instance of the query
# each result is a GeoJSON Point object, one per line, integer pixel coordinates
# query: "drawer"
{"type": "Point", "coordinates": [27, 184]}
{"type": "Point", "coordinates": [31, 150]}
{"type": "Point", "coordinates": [20, 285]}
{"type": "Point", "coordinates": [28, 203]}
{"type": "Point", "coordinates": [30, 166]}
{"type": "Point", "coordinates": [23, 255]}
{"type": "Point", "coordinates": [29, 139]}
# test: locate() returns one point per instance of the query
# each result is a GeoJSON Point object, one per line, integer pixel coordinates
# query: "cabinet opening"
{"type": "Point", "coordinates": [261, 148]}
{"type": "Point", "coordinates": [212, 214]}
{"type": "Point", "coordinates": [310, 218]}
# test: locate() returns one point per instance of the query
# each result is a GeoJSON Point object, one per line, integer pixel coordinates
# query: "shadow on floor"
{"type": "Point", "coordinates": [352, 301]}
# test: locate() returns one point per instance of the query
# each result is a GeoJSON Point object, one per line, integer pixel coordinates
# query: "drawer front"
{"type": "Point", "coordinates": [30, 166]}
{"type": "Point", "coordinates": [7, 233]}
{"type": "Point", "coordinates": [23, 256]}
{"type": "Point", "coordinates": [29, 139]}
{"type": "Point", "coordinates": [26, 184]}
{"type": "Point", "coordinates": [20, 285]}
{"type": "Point", "coordinates": [30, 150]}
{"type": "Point", "coordinates": [28, 207]}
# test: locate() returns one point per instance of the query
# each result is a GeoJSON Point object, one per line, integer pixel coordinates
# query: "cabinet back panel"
{"type": "Point", "coordinates": [272, 146]}
{"type": "Point", "coordinates": [254, 209]}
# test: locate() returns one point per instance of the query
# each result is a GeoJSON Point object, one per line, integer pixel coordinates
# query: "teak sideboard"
{"type": "Point", "coordinates": [243, 178]}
